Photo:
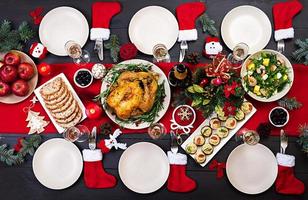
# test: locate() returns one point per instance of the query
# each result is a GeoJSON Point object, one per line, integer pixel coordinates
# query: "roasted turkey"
{"type": "Point", "coordinates": [133, 94]}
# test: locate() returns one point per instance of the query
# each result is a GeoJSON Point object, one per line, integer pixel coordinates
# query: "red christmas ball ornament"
{"type": "Point", "coordinates": [204, 82]}
{"type": "Point", "coordinates": [217, 81]}
{"type": "Point", "coordinates": [44, 69]}
{"type": "Point", "coordinates": [93, 111]}
{"type": "Point", "coordinates": [128, 51]}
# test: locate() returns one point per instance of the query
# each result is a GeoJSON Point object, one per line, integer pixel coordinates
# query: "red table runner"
{"type": "Point", "coordinates": [12, 118]}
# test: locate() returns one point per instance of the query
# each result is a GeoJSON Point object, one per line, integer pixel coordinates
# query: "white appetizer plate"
{"type": "Point", "coordinates": [61, 25]}
{"type": "Point", "coordinates": [223, 141]}
{"type": "Point", "coordinates": [153, 25]}
{"type": "Point", "coordinates": [252, 169]}
{"type": "Point", "coordinates": [70, 88]}
{"type": "Point", "coordinates": [276, 96]}
{"type": "Point", "coordinates": [57, 164]}
{"type": "Point", "coordinates": [246, 24]}
{"type": "Point", "coordinates": [162, 78]}
{"type": "Point", "coordinates": [144, 167]}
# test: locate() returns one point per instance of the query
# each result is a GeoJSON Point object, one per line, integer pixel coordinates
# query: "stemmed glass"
{"type": "Point", "coordinates": [79, 133]}
{"type": "Point", "coordinates": [160, 53]}
{"type": "Point", "coordinates": [156, 130]}
{"type": "Point", "coordinates": [240, 52]}
{"type": "Point", "coordinates": [250, 137]}
{"type": "Point", "coordinates": [74, 50]}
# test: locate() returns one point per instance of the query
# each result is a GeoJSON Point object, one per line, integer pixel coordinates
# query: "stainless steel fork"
{"type": "Point", "coordinates": [183, 48]}
{"type": "Point", "coordinates": [283, 141]}
{"type": "Point", "coordinates": [280, 46]}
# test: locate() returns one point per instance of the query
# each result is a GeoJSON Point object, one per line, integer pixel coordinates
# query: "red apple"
{"type": "Point", "coordinates": [8, 73]}
{"type": "Point", "coordinates": [11, 59]}
{"type": "Point", "coordinates": [20, 87]}
{"type": "Point", "coordinates": [44, 69]}
{"type": "Point", "coordinates": [93, 111]}
{"type": "Point", "coordinates": [4, 89]}
{"type": "Point", "coordinates": [25, 71]}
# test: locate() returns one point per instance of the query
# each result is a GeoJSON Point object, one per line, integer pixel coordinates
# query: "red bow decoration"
{"type": "Point", "coordinates": [36, 15]}
{"type": "Point", "coordinates": [219, 166]}
{"type": "Point", "coordinates": [219, 68]}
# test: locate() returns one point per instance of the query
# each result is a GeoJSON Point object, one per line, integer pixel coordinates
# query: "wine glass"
{"type": "Point", "coordinates": [79, 133]}
{"type": "Point", "coordinates": [160, 53]}
{"type": "Point", "coordinates": [156, 130]}
{"type": "Point", "coordinates": [240, 52]}
{"type": "Point", "coordinates": [250, 137]}
{"type": "Point", "coordinates": [74, 50]}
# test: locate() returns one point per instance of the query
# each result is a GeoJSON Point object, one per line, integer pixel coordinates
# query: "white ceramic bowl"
{"type": "Point", "coordinates": [278, 95]}
{"type": "Point", "coordinates": [83, 69]}
{"type": "Point", "coordinates": [282, 125]}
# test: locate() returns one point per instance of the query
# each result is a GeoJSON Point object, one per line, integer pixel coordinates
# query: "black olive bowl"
{"type": "Point", "coordinates": [279, 116]}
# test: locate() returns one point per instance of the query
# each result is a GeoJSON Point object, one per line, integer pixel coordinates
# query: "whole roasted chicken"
{"type": "Point", "coordinates": [133, 94]}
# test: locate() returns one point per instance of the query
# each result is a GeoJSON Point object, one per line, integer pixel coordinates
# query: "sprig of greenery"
{"type": "Point", "coordinates": [14, 39]}
{"type": "Point", "coordinates": [208, 25]}
{"type": "Point", "coordinates": [114, 46]}
{"type": "Point", "coordinates": [289, 103]}
{"type": "Point", "coordinates": [303, 138]}
{"type": "Point", "coordinates": [301, 54]}
{"type": "Point", "coordinates": [7, 156]}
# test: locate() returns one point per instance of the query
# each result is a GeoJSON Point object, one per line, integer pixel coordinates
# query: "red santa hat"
{"type": "Point", "coordinates": [187, 13]}
{"type": "Point", "coordinates": [102, 13]}
{"type": "Point", "coordinates": [283, 14]}
{"type": "Point", "coordinates": [38, 50]}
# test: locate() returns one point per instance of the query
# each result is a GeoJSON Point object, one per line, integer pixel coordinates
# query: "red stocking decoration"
{"type": "Point", "coordinates": [178, 181]}
{"type": "Point", "coordinates": [286, 182]}
{"type": "Point", "coordinates": [94, 173]}
{"type": "Point", "coordinates": [187, 13]}
{"type": "Point", "coordinates": [283, 14]}
{"type": "Point", "coordinates": [102, 13]}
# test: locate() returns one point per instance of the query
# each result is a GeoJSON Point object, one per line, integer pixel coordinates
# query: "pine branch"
{"type": "Point", "coordinates": [25, 32]}
{"type": "Point", "coordinates": [29, 145]}
{"type": "Point", "coordinates": [303, 138]}
{"type": "Point", "coordinates": [301, 54]}
{"type": "Point", "coordinates": [208, 25]}
{"type": "Point", "coordinates": [289, 103]}
{"type": "Point", "coordinates": [7, 156]}
{"type": "Point", "coordinates": [114, 46]}
{"type": "Point", "coordinates": [14, 39]}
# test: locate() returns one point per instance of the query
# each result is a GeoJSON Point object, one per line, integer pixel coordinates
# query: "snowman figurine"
{"type": "Point", "coordinates": [37, 50]}
{"type": "Point", "coordinates": [212, 47]}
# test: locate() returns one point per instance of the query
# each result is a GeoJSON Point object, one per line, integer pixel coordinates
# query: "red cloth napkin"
{"type": "Point", "coordinates": [12, 117]}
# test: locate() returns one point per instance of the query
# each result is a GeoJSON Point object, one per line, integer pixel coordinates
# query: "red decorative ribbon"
{"type": "Point", "coordinates": [219, 166]}
{"type": "Point", "coordinates": [219, 68]}
{"type": "Point", "coordinates": [36, 15]}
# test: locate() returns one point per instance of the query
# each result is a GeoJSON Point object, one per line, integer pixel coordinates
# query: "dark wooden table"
{"type": "Point", "coordinates": [18, 182]}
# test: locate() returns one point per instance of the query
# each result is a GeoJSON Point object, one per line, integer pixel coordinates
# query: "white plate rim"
{"type": "Point", "coordinates": [166, 103]}
{"type": "Point", "coordinates": [62, 9]}
{"type": "Point", "coordinates": [262, 13]}
{"type": "Point", "coordinates": [76, 97]}
{"type": "Point", "coordinates": [275, 172]}
{"type": "Point", "coordinates": [278, 95]}
{"type": "Point", "coordinates": [163, 155]}
{"type": "Point", "coordinates": [132, 21]}
{"type": "Point", "coordinates": [56, 141]}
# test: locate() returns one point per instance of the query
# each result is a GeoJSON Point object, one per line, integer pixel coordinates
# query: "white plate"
{"type": "Point", "coordinates": [70, 88]}
{"type": "Point", "coordinates": [61, 25]}
{"type": "Point", "coordinates": [252, 169]}
{"type": "Point", "coordinates": [286, 88]}
{"type": "Point", "coordinates": [166, 102]}
{"type": "Point", "coordinates": [246, 24]}
{"type": "Point", "coordinates": [57, 164]}
{"type": "Point", "coordinates": [144, 167]}
{"type": "Point", "coordinates": [223, 141]}
{"type": "Point", "coordinates": [153, 25]}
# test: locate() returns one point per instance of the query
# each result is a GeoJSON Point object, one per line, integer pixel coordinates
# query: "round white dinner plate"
{"type": "Point", "coordinates": [61, 25]}
{"type": "Point", "coordinates": [246, 24]}
{"type": "Point", "coordinates": [252, 169]}
{"type": "Point", "coordinates": [144, 167]}
{"type": "Point", "coordinates": [278, 95]}
{"type": "Point", "coordinates": [161, 113]}
{"type": "Point", "coordinates": [57, 164]}
{"type": "Point", "coordinates": [153, 25]}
